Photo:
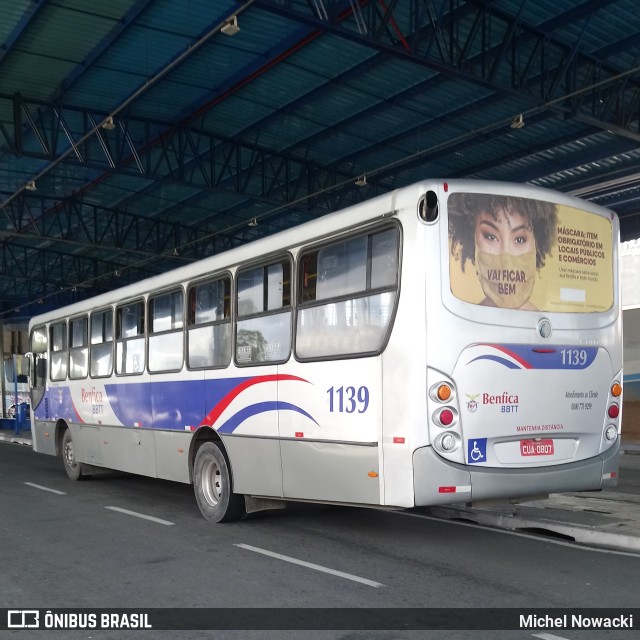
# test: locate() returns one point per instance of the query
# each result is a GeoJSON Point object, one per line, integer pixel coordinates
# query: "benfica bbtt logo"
{"type": "Point", "coordinates": [472, 405]}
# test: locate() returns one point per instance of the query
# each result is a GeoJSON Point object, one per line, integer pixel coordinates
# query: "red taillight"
{"type": "Point", "coordinates": [446, 417]}
{"type": "Point", "coordinates": [613, 411]}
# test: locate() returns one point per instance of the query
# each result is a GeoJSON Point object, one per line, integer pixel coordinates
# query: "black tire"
{"type": "Point", "coordinates": [212, 485]}
{"type": "Point", "coordinates": [73, 468]}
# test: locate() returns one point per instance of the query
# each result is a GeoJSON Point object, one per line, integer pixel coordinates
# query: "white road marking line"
{"type": "Point", "coordinates": [573, 545]}
{"type": "Point", "coordinates": [39, 486]}
{"type": "Point", "coordinates": [547, 636]}
{"type": "Point", "coordinates": [310, 565]}
{"type": "Point", "coordinates": [141, 515]}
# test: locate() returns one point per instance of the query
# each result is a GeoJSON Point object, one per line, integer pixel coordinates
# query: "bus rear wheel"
{"type": "Point", "coordinates": [212, 485]}
{"type": "Point", "coordinates": [73, 468]}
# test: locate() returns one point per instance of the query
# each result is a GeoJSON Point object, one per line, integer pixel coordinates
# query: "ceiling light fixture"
{"type": "Point", "coordinates": [517, 122]}
{"type": "Point", "coordinates": [253, 222]}
{"type": "Point", "coordinates": [362, 181]}
{"type": "Point", "coordinates": [31, 186]}
{"type": "Point", "coordinates": [108, 124]}
{"type": "Point", "coordinates": [231, 27]}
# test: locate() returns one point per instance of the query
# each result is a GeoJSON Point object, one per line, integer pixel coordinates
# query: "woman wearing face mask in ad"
{"type": "Point", "coordinates": [507, 239]}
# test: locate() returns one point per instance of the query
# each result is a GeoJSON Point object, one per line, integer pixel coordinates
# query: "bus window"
{"type": "Point", "coordinates": [59, 354]}
{"type": "Point", "coordinates": [130, 347]}
{"type": "Point", "coordinates": [166, 344]}
{"type": "Point", "coordinates": [209, 333]}
{"type": "Point", "coordinates": [384, 259]}
{"type": "Point", "coordinates": [101, 343]}
{"type": "Point", "coordinates": [264, 314]}
{"type": "Point", "coordinates": [347, 296]}
{"type": "Point", "coordinates": [342, 269]}
{"type": "Point", "coordinates": [78, 348]}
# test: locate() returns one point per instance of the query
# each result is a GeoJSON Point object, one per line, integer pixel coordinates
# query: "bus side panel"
{"type": "Point", "coordinates": [44, 440]}
{"type": "Point", "coordinates": [91, 443]}
{"type": "Point", "coordinates": [128, 449]}
{"type": "Point", "coordinates": [172, 455]}
{"type": "Point", "coordinates": [330, 471]}
{"type": "Point", "coordinates": [330, 414]}
{"type": "Point", "coordinates": [177, 400]}
{"type": "Point", "coordinates": [178, 407]}
{"type": "Point", "coordinates": [255, 465]}
{"type": "Point", "coordinates": [243, 410]}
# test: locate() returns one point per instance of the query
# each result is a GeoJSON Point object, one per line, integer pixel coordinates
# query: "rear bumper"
{"type": "Point", "coordinates": [437, 481]}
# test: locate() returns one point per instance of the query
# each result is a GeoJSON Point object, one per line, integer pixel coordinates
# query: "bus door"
{"type": "Point", "coordinates": [38, 367]}
{"type": "Point", "coordinates": [38, 375]}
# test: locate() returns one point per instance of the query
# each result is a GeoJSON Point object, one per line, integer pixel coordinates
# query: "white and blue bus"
{"type": "Point", "coordinates": [446, 342]}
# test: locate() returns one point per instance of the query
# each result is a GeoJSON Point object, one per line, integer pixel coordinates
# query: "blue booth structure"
{"type": "Point", "coordinates": [21, 420]}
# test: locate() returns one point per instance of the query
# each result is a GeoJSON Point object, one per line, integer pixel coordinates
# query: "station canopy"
{"type": "Point", "coordinates": [139, 135]}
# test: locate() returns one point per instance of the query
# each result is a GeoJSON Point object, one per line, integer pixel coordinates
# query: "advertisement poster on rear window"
{"type": "Point", "coordinates": [519, 253]}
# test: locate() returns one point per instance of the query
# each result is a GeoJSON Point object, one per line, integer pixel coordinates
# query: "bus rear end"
{"type": "Point", "coordinates": [523, 346]}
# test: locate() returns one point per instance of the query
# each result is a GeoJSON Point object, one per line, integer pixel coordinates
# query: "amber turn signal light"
{"type": "Point", "coordinates": [443, 392]}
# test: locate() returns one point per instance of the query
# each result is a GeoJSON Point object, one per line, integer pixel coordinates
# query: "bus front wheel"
{"type": "Point", "coordinates": [71, 464]}
{"type": "Point", "coordinates": [212, 485]}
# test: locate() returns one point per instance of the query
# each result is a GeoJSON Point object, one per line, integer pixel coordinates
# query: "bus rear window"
{"type": "Point", "coordinates": [519, 253]}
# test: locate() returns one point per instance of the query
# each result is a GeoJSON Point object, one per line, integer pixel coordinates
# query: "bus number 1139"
{"type": "Point", "coordinates": [348, 400]}
{"type": "Point", "coordinates": [574, 357]}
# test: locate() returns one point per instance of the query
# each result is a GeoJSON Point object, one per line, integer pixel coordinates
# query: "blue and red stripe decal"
{"type": "Point", "coordinates": [251, 410]}
{"type": "Point", "coordinates": [216, 412]}
{"type": "Point", "coordinates": [174, 405]}
{"type": "Point", "coordinates": [527, 357]}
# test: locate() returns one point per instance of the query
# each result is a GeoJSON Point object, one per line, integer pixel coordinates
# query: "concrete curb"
{"type": "Point", "coordinates": [582, 534]}
{"type": "Point", "coordinates": [15, 439]}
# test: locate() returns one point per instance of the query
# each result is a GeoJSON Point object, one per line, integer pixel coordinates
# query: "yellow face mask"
{"type": "Point", "coordinates": [507, 280]}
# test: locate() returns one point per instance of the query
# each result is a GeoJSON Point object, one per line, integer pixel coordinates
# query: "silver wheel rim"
{"type": "Point", "coordinates": [69, 457]}
{"type": "Point", "coordinates": [212, 484]}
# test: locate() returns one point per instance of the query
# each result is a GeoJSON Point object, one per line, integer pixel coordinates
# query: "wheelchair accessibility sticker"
{"type": "Point", "coordinates": [476, 450]}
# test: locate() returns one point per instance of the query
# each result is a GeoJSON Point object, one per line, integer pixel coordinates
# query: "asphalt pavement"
{"type": "Point", "coordinates": [603, 519]}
